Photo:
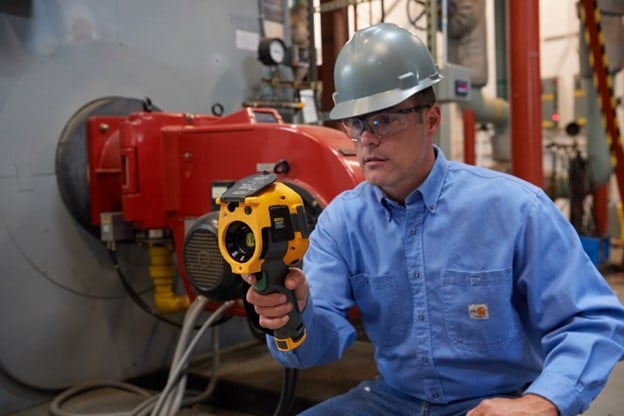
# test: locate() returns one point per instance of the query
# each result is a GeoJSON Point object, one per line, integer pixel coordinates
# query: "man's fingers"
{"type": "Point", "coordinates": [273, 308]}
{"type": "Point", "coordinates": [297, 282]}
{"type": "Point", "coordinates": [273, 323]}
{"type": "Point", "coordinates": [265, 301]}
{"type": "Point", "coordinates": [249, 278]}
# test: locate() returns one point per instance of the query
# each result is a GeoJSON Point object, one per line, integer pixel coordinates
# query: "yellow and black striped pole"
{"type": "Point", "coordinates": [590, 16]}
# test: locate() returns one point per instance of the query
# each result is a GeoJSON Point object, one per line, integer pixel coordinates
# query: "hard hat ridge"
{"type": "Point", "coordinates": [378, 68]}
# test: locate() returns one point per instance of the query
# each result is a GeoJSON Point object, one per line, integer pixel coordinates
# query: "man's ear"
{"type": "Point", "coordinates": [433, 117]}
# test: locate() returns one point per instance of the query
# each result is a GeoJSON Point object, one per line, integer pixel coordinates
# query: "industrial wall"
{"type": "Point", "coordinates": [560, 35]}
{"type": "Point", "coordinates": [60, 296]}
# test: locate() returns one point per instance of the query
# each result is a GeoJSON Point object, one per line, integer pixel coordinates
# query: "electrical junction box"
{"type": "Point", "coordinates": [455, 86]}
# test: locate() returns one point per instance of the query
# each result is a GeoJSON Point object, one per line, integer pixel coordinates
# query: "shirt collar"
{"type": "Point", "coordinates": [429, 190]}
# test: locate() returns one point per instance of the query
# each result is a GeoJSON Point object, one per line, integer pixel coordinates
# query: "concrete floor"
{"type": "Point", "coordinates": [610, 402]}
{"type": "Point", "coordinates": [250, 380]}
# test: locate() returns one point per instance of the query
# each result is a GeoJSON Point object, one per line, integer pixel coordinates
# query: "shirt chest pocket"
{"type": "Point", "coordinates": [478, 314]}
{"type": "Point", "coordinates": [378, 301]}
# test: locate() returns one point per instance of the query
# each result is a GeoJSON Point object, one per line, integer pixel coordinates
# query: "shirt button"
{"type": "Point", "coordinates": [435, 395]}
{"type": "Point", "coordinates": [412, 231]}
{"type": "Point", "coordinates": [416, 274]}
{"type": "Point", "coordinates": [421, 316]}
{"type": "Point", "coordinates": [425, 360]}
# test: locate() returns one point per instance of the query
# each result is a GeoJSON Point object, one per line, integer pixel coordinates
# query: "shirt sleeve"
{"type": "Point", "coordinates": [325, 316]}
{"type": "Point", "coordinates": [570, 308]}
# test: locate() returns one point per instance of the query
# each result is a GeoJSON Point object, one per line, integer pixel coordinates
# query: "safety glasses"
{"type": "Point", "coordinates": [382, 124]}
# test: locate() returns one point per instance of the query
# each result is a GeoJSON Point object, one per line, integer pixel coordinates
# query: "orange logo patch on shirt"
{"type": "Point", "coordinates": [478, 311]}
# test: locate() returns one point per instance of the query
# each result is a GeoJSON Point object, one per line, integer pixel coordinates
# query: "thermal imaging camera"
{"type": "Point", "coordinates": [263, 231]}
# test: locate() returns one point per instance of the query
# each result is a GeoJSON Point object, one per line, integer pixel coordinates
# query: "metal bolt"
{"type": "Point", "coordinates": [103, 127]}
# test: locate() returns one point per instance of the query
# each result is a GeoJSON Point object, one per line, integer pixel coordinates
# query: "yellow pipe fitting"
{"type": "Point", "coordinates": [162, 272]}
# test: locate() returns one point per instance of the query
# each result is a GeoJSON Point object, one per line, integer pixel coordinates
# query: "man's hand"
{"type": "Point", "coordinates": [527, 405]}
{"type": "Point", "coordinates": [273, 308]}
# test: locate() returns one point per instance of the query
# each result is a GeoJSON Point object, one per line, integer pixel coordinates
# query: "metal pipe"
{"type": "Point", "coordinates": [469, 136]}
{"type": "Point", "coordinates": [525, 91]}
{"type": "Point", "coordinates": [312, 69]}
{"type": "Point", "coordinates": [601, 208]}
{"type": "Point", "coordinates": [444, 24]}
{"type": "Point", "coordinates": [431, 10]}
{"type": "Point", "coordinates": [500, 39]}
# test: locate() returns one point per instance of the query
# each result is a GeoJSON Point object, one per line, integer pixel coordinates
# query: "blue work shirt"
{"type": "Point", "coordinates": [477, 285]}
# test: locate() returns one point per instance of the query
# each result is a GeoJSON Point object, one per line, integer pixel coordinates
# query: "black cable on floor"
{"type": "Point", "coordinates": [287, 395]}
{"type": "Point", "coordinates": [289, 385]}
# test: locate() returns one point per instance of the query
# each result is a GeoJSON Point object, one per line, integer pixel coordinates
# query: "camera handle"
{"type": "Point", "coordinates": [271, 280]}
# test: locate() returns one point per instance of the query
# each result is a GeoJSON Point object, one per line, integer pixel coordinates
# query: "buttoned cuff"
{"type": "Point", "coordinates": [564, 394]}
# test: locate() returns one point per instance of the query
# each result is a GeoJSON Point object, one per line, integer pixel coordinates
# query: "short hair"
{"type": "Point", "coordinates": [425, 98]}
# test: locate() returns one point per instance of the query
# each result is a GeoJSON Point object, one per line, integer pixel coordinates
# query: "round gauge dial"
{"type": "Point", "coordinates": [271, 51]}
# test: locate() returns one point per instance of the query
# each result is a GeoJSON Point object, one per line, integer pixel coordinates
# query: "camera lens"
{"type": "Point", "coordinates": [240, 241]}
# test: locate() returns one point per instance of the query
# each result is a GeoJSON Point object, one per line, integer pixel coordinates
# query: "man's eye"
{"type": "Point", "coordinates": [392, 120]}
{"type": "Point", "coordinates": [383, 121]}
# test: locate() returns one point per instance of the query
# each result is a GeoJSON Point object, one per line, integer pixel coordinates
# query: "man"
{"type": "Point", "coordinates": [472, 287]}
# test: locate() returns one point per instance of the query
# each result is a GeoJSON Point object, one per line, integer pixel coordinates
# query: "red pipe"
{"type": "Point", "coordinates": [601, 208]}
{"type": "Point", "coordinates": [525, 106]}
{"type": "Point", "coordinates": [470, 119]}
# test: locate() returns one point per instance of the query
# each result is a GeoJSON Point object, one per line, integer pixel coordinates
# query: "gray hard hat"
{"type": "Point", "coordinates": [378, 68]}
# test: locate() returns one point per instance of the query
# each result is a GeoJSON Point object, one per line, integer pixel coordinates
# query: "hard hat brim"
{"type": "Point", "coordinates": [378, 102]}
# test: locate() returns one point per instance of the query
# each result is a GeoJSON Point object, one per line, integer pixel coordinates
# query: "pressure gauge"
{"type": "Point", "coordinates": [271, 51]}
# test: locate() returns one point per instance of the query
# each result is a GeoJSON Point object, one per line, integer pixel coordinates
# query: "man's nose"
{"type": "Point", "coordinates": [368, 137]}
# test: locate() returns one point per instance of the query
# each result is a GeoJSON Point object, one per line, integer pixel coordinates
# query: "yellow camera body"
{"type": "Point", "coordinates": [242, 224]}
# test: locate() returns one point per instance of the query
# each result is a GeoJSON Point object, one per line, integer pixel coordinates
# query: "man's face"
{"type": "Point", "coordinates": [399, 162]}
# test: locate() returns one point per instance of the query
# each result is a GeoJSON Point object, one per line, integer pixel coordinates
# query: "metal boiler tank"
{"type": "Point", "coordinates": [65, 316]}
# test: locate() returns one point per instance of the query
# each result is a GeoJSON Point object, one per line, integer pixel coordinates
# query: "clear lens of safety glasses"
{"type": "Point", "coordinates": [379, 124]}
